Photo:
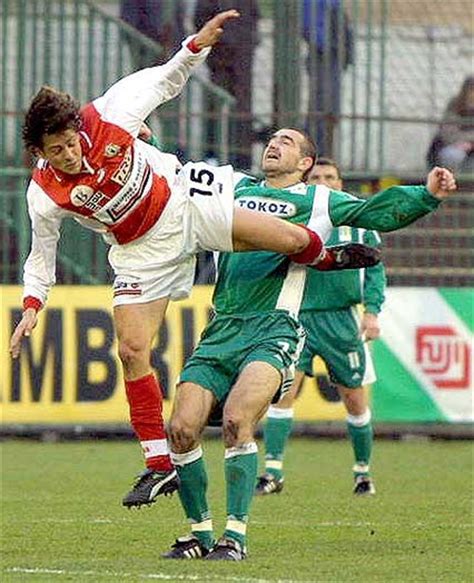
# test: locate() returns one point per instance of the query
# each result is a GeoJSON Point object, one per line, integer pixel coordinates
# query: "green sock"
{"type": "Point", "coordinates": [362, 437]}
{"type": "Point", "coordinates": [193, 494]}
{"type": "Point", "coordinates": [241, 474]}
{"type": "Point", "coordinates": [277, 430]}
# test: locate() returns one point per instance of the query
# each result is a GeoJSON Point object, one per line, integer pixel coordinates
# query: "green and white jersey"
{"type": "Point", "coordinates": [336, 290]}
{"type": "Point", "coordinates": [258, 282]}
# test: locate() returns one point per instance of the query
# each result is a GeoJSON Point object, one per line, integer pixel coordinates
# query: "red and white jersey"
{"type": "Point", "coordinates": [124, 184]}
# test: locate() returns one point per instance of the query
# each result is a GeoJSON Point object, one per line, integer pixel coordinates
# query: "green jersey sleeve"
{"type": "Point", "coordinates": [374, 288]}
{"type": "Point", "coordinates": [375, 279]}
{"type": "Point", "coordinates": [388, 210]}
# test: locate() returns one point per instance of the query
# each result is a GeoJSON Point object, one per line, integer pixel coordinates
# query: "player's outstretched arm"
{"type": "Point", "coordinates": [394, 208]}
{"type": "Point", "coordinates": [441, 182]}
{"type": "Point", "coordinates": [131, 100]}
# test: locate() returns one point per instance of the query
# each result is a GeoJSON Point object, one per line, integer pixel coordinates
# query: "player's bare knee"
{"type": "Point", "coordinates": [355, 400]}
{"type": "Point", "coordinates": [230, 431]}
{"type": "Point", "coordinates": [132, 353]}
{"type": "Point", "coordinates": [183, 435]}
{"type": "Point", "coordinates": [234, 428]}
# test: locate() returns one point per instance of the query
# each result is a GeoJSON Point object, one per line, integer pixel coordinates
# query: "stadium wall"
{"type": "Point", "coordinates": [68, 372]}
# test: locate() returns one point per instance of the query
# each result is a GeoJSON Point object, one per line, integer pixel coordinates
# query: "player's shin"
{"type": "Point", "coordinates": [361, 434]}
{"type": "Point", "coordinates": [313, 253]}
{"type": "Point", "coordinates": [241, 473]}
{"type": "Point", "coordinates": [145, 400]}
{"type": "Point", "coordinates": [193, 494]}
{"type": "Point", "coordinates": [277, 430]}
{"type": "Point", "coordinates": [347, 256]}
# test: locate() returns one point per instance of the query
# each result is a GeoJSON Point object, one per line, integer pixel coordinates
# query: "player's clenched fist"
{"type": "Point", "coordinates": [211, 32]}
{"type": "Point", "coordinates": [441, 182]}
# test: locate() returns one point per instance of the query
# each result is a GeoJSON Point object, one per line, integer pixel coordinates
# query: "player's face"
{"type": "Point", "coordinates": [326, 175]}
{"type": "Point", "coordinates": [283, 153]}
{"type": "Point", "coordinates": [63, 151]}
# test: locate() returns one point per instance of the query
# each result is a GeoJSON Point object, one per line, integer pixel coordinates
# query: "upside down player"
{"type": "Point", "coordinates": [249, 350]}
{"type": "Point", "coordinates": [337, 334]}
{"type": "Point", "coordinates": [154, 215]}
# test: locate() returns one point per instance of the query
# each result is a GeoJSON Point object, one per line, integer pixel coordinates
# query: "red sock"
{"type": "Point", "coordinates": [145, 400]}
{"type": "Point", "coordinates": [312, 253]}
{"type": "Point", "coordinates": [327, 262]}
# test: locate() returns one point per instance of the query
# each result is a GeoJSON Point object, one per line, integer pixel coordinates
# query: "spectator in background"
{"type": "Point", "coordinates": [453, 145]}
{"type": "Point", "coordinates": [159, 20]}
{"type": "Point", "coordinates": [230, 64]}
{"type": "Point", "coordinates": [327, 31]}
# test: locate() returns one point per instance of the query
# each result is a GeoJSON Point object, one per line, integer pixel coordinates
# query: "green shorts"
{"type": "Point", "coordinates": [335, 337]}
{"type": "Point", "coordinates": [229, 343]}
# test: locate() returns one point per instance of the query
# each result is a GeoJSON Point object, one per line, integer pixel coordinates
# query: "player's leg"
{"type": "Point", "coordinates": [252, 231]}
{"type": "Point", "coordinates": [359, 427]}
{"type": "Point", "coordinates": [350, 367]}
{"type": "Point", "coordinates": [136, 326]}
{"type": "Point", "coordinates": [216, 225]}
{"type": "Point", "coordinates": [277, 430]}
{"type": "Point", "coordinates": [191, 408]}
{"type": "Point", "coordinates": [210, 366]}
{"type": "Point", "coordinates": [279, 421]}
{"type": "Point", "coordinates": [251, 394]}
{"type": "Point", "coordinates": [148, 274]}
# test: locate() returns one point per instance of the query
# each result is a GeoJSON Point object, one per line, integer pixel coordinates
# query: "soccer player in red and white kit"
{"type": "Point", "coordinates": [154, 214]}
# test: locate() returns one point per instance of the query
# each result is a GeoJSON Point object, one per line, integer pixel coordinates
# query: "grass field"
{"type": "Point", "coordinates": [62, 519]}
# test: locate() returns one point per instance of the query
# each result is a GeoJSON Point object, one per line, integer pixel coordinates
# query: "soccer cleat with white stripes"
{"type": "Point", "coordinates": [227, 549]}
{"type": "Point", "coordinates": [149, 485]}
{"type": "Point", "coordinates": [186, 547]}
{"type": "Point", "coordinates": [364, 486]}
{"type": "Point", "coordinates": [268, 484]}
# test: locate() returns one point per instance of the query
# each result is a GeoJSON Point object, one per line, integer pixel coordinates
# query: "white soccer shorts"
{"type": "Point", "coordinates": [198, 216]}
{"type": "Point", "coordinates": [210, 194]}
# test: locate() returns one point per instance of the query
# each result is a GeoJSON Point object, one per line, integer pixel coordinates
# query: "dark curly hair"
{"type": "Point", "coordinates": [50, 112]}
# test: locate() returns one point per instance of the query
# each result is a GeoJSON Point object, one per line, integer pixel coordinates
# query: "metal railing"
{"type": "Point", "coordinates": [78, 47]}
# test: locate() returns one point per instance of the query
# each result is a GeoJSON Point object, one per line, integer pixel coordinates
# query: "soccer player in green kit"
{"type": "Point", "coordinates": [337, 334]}
{"type": "Point", "coordinates": [248, 352]}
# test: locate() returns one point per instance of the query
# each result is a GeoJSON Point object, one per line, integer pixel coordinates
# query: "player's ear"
{"type": "Point", "coordinates": [306, 163]}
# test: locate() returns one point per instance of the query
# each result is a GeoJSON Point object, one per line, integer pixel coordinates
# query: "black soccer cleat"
{"type": "Point", "coordinates": [350, 256]}
{"type": "Point", "coordinates": [364, 486]}
{"type": "Point", "coordinates": [149, 485]}
{"type": "Point", "coordinates": [186, 547]}
{"type": "Point", "coordinates": [227, 549]}
{"type": "Point", "coordinates": [268, 484]}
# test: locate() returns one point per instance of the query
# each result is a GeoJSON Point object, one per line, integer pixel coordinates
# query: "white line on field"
{"type": "Point", "coordinates": [280, 523]}
{"type": "Point", "coordinates": [159, 576]}
{"type": "Point", "coordinates": [338, 523]}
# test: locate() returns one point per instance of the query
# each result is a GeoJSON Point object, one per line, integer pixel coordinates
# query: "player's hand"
{"type": "Point", "coordinates": [212, 31]}
{"type": "Point", "coordinates": [24, 328]}
{"type": "Point", "coordinates": [441, 182]}
{"type": "Point", "coordinates": [369, 328]}
{"type": "Point", "coordinates": [145, 132]}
